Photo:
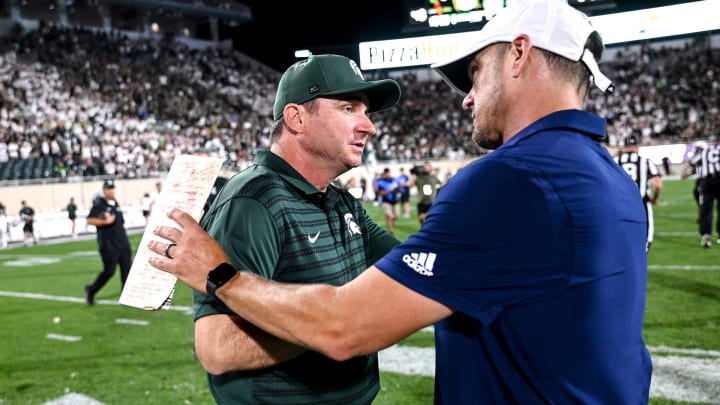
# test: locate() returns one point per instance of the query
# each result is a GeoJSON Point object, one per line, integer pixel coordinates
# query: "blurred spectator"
{"type": "Point", "coordinates": [646, 177]}
{"type": "Point", "coordinates": [666, 165]}
{"type": "Point", "coordinates": [353, 187]}
{"type": "Point", "coordinates": [389, 192]}
{"type": "Point", "coordinates": [27, 215]}
{"type": "Point", "coordinates": [71, 209]}
{"type": "Point", "coordinates": [4, 227]}
{"type": "Point", "coordinates": [146, 203]}
{"type": "Point", "coordinates": [427, 184]}
{"type": "Point", "coordinates": [405, 184]}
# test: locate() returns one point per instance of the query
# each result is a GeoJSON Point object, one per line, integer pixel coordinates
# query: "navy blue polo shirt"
{"type": "Point", "coordinates": [539, 247]}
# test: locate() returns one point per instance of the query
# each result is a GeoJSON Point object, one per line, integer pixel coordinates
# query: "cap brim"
{"type": "Point", "coordinates": [455, 71]}
{"type": "Point", "coordinates": [382, 94]}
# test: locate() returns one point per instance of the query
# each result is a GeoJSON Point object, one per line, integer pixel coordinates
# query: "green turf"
{"type": "Point", "coordinates": [127, 363]}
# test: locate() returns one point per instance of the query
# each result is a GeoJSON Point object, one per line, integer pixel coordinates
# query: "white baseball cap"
{"type": "Point", "coordinates": [552, 25]}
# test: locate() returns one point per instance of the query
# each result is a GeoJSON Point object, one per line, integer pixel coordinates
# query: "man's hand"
{"type": "Point", "coordinates": [193, 255]}
{"type": "Point", "coordinates": [109, 218]}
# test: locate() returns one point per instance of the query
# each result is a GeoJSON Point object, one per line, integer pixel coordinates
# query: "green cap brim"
{"type": "Point", "coordinates": [382, 94]}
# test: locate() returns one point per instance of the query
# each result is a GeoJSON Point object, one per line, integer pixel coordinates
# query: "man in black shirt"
{"type": "Point", "coordinates": [72, 215]}
{"type": "Point", "coordinates": [112, 239]}
{"type": "Point", "coordinates": [27, 215]}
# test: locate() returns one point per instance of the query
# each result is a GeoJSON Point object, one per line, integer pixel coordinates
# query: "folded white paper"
{"type": "Point", "coordinates": [187, 187]}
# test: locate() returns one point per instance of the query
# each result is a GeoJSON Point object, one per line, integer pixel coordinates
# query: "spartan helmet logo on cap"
{"type": "Point", "coordinates": [356, 69]}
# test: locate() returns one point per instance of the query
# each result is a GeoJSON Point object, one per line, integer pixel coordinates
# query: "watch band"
{"type": "Point", "coordinates": [218, 277]}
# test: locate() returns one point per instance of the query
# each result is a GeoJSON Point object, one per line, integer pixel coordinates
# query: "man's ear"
{"type": "Point", "coordinates": [293, 117]}
{"type": "Point", "coordinates": [520, 50]}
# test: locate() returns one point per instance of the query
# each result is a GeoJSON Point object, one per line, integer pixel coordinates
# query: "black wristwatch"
{"type": "Point", "coordinates": [218, 277]}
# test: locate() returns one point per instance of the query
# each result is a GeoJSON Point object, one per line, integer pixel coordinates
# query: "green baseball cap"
{"type": "Point", "coordinates": [331, 75]}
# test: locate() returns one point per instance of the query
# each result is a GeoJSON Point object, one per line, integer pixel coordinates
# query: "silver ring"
{"type": "Point", "coordinates": [167, 250]}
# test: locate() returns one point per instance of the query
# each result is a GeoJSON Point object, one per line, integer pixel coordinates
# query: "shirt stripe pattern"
{"type": "Point", "coordinates": [707, 162]}
{"type": "Point", "coordinates": [320, 238]}
{"type": "Point", "coordinates": [640, 169]}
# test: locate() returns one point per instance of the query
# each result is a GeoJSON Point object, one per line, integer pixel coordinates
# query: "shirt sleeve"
{"type": "Point", "coordinates": [95, 211]}
{"type": "Point", "coordinates": [652, 169]}
{"type": "Point", "coordinates": [380, 241]}
{"type": "Point", "coordinates": [245, 230]}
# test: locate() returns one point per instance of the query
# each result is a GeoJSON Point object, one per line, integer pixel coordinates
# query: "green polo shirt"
{"type": "Point", "coordinates": [271, 221]}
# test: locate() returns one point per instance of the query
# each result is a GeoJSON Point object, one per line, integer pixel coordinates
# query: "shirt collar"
{"type": "Point", "coordinates": [288, 173]}
{"type": "Point", "coordinates": [584, 122]}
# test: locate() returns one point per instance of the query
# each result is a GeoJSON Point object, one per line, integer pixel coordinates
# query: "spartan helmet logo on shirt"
{"type": "Point", "coordinates": [352, 226]}
{"type": "Point", "coordinates": [356, 69]}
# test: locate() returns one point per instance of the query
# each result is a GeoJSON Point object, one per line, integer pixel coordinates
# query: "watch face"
{"type": "Point", "coordinates": [222, 273]}
{"type": "Point", "coordinates": [218, 277]}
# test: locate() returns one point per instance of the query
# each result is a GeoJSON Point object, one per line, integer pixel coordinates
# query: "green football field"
{"type": "Point", "coordinates": [54, 347]}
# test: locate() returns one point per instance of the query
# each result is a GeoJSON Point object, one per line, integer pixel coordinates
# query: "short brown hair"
{"type": "Point", "coordinates": [573, 70]}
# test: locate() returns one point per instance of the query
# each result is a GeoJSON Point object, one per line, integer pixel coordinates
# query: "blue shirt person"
{"type": "Point", "coordinates": [531, 263]}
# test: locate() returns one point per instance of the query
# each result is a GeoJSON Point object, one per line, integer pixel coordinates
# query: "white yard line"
{"type": "Point", "coordinates": [132, 322]}
{"type": "Point", "coordinates": [681, 267]}
{"type": "Point", "coordinates": [66, 338]}
{"type": "Point", "coordinates": [180, 308]}
{"type": "Point", "coordinates": [688, 234]}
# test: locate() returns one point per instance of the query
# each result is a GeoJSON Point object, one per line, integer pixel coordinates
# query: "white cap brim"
{"type": "Point", "coordinates": [552, 25]}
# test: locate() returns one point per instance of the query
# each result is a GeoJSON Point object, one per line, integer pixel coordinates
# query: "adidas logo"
{"type": "Point", "coordinates": [422, 263]}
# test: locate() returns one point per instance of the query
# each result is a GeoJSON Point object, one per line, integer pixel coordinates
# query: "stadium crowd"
{"type": "Point", "coordinates": [76, 102]}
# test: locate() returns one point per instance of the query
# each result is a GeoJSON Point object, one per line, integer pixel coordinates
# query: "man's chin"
{"type": "Point", "coordinates": [354, 161]}
{"type": "Point", "coordinates": [486, 143]}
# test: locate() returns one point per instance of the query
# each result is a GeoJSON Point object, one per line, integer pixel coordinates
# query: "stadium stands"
{"type": "Point", "coordinates": [76, 102]}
